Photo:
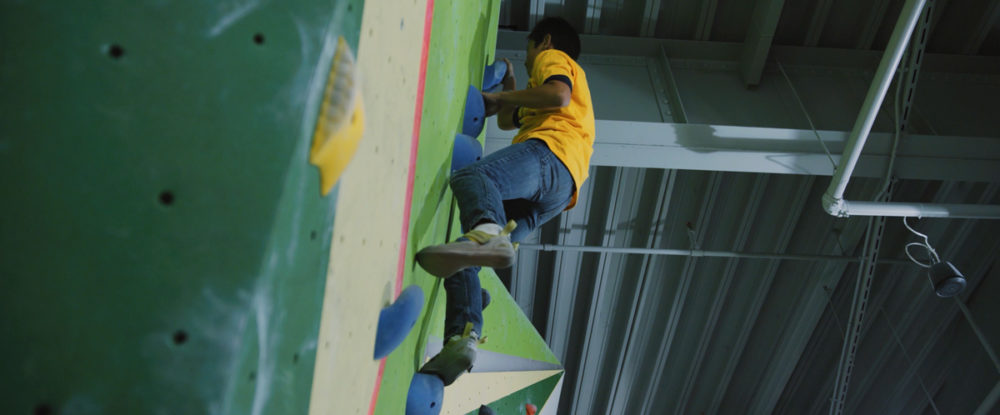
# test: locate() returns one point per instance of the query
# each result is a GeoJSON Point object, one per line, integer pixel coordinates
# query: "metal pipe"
{"type": "Point", "coordinates": [833, 199]}
{"type": "Point", "coordinates": [700, 253]}
{"type": "Point", "coordinates": [920, 210]}
{"type": "Point", "coordinates": [876, 94]}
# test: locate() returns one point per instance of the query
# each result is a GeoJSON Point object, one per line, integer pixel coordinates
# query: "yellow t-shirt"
{"type": "Point", "coordinates": [568, 131]}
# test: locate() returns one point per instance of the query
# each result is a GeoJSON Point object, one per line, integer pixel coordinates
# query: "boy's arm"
{"type": "Point", "coordinates": [552, 94]}
{"type": "Point", "coordinates": [505, 115]}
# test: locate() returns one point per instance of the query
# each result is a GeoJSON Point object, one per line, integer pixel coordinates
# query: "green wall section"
{"type": "Point", "coordinates": [536, 394]}
{"type": "Point", "coordinates": [164, 240]}
{"type": "Point", "coordinates": [463, 40]}
{"type": "Point", "coordinates": [506, 327]}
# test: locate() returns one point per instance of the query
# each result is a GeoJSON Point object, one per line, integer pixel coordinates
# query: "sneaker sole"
{"type": "Point", "coordinates": [444, 264]}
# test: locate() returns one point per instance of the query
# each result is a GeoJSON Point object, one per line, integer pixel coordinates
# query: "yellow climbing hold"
{"type": "Point", "coordinates": [341, 120]}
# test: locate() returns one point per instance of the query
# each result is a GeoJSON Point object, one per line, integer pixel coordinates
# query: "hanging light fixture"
{"type": "Point", "coordinates": [946, 280]}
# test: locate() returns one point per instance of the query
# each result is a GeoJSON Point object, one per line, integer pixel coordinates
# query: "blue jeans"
{"type": "Point", "coordinates": [525, 183]}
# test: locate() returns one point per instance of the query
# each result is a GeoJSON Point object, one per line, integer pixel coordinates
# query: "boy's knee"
{"type": "Point", "coordinates": [463, 173]}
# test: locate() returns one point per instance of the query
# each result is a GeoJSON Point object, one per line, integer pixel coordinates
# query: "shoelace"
{"type": "Point", "coordinates": [481, 237]}
{"type": "Point", "coordinates": [466, 333]}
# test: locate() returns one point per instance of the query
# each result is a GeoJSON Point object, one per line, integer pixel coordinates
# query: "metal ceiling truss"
{"type": "Point", "coordinates": [680, 297]}
{"type": "Point", "coordinates": [910, 314]}
{"type": "Point", "coordinates": [820, 15]}
{"type": "Point", "coordinates": [760, 35]}
{"type": "Point", "coordinates": [739, 347]}
{"type": "Point", "coordinates": [778, 151]}
{"type": "Point", "coordinates": [596, 321]}
{"type": "Point", "coordinates": [706, 18]}
{"type": "Point", "coordinates": [979, 30]}
{"type": "Point", "coordinates": [616, 404]}
{"type": "Point", "coordinates": [746, 224]}
{"type": "Point", "coordinates": [863, 60]}
{"type": "Point", "coordinates": [876, 228]}
{"type": "Point", "coordinates": [872, 23]}
{"type": "Point", "coordinates": [650, 15]}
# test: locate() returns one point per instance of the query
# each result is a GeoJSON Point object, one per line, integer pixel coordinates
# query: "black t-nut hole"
{"type": "Point", "coordinates": [180, 337]}
{"type": "Point", "coordinates": [258, 38]}
{"type": "Point", "coordinates": [43, 409]}
{"type": "Point", "coordinates": [166, 198]}
{"type": "Point", "coordinates": [116, 51]}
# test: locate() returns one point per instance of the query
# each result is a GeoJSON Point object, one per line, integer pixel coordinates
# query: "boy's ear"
{"type": "Point", "coordinates": [547, 42]}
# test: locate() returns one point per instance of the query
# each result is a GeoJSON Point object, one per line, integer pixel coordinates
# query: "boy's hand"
{"type": "Point", "coordinates": [509, 82]}
{"type": "Point", "coordinates": [491, 102]}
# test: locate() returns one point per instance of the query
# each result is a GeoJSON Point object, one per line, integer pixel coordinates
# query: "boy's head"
{"type": "Point", "coordinates": [552, 33]}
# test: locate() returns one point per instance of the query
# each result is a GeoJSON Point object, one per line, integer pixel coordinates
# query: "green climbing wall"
{"type": "Point", "coordinates": [463, 40]}
{"type": "Point", "coordinates": [535, 394]}
{"type": "Point", "coordinates": [164, 242]}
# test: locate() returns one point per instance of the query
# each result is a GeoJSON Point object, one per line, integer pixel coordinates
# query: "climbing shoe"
{"type": "Point", "coordinates": [456, 357]}
{"type": "Point", "coordinates": [476, 249]}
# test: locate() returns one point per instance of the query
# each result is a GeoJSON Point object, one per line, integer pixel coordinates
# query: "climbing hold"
{"type": "Point", "coordinates": [425, 395]}
{"type": "Point", "coordinates": [475, 113]}
{"type": "Point", "coordinates": [486, 298]}
{"type": "Point", "coordinates": [530, 409]}
{"type": "Point", "coordinates": [341, 119]}
{"type": "Point", "coordinates": [465, 151]}
{"type": "Point", "coordinates": [485, 410]}
{"type": "Point", "coordinates": [396, 320]}
{"type": "Point", "coordinates": [494, 74]}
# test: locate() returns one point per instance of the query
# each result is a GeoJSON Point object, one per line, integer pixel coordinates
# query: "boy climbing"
{"type": "Point", "coordinates": [523, 185]}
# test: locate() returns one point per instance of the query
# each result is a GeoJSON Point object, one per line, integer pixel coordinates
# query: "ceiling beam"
{"type": "Point", "coordinates": [665, 87]}
{"type": "Point", "coordinates": [621, 391]}
{"type": "Point", "coordinates": [650, 17]}
{"type": "Point", "coordinates": [990, 401]}
{"type": "Point", "coordinates": [909, 72]}
{"type": "Point", "coordinates": [721, 293]}
{"type": "Point", "coordinates": [920, 312]}
{"type": "Point", "coordinates": [513, 42]}
{"type": "Point", "coordinates": [707, 16]}
{"type": "Point", "coordinates": [873, 23]}
{"type": "Point", "coordinates": [760, 295]}
{"type": "Point", "coordinates": [760, 35]}
{"type": "Point", "coordinates": [673, 320]}
{"type": "Point", "coordinates": [818, 21]}
{"type": "Point", "coordinates": [864, 380]}
{"type": "Point", "coordinates": [979, 30]}
{"type": "Point", "coordinates": [779, 151]}
{"type": "Point", "coordinates": [535, 13]}
{"type": "Point", "coordinates": [598, 321]}
{"type": "Point", "coordinates": [593, 22]}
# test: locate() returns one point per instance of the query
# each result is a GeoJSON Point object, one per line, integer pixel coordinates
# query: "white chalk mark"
{"type": "Point", "coordinates": [232, 17]}
{"type": "Point", "coordinates": [265, 364]}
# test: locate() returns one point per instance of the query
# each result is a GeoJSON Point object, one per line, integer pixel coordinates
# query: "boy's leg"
{"type": "Point", "coordinates": [546, 197]}
{"type": "Point", "coordinates": [463, 307]}
{"type": "Point", "coordinates": [520, 171]}
{"type": "Point", "coordinates": [514, 172]}
{"type": "Point", "coordinates": [464, 293]}
{"type": "Point", "coordinates": [464, 302]}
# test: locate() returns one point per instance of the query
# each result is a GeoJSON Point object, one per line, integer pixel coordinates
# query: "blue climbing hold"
{"type": "Point", "coordinates": [425, 395]}
{"type": "Point", "coordinates": [475, 113]}
{"type": "Point", "coordinates": [466, 151]}
{"type": "Point", "coordinates": [486, 298]}
{"type": "Point", "coordinates": [494, 74]}
{"type": "Point", "coordinates": [396, 320]}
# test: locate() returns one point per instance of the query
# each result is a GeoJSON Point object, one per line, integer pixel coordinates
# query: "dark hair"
{"type": "Point", "coordinates": [563, 34]}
